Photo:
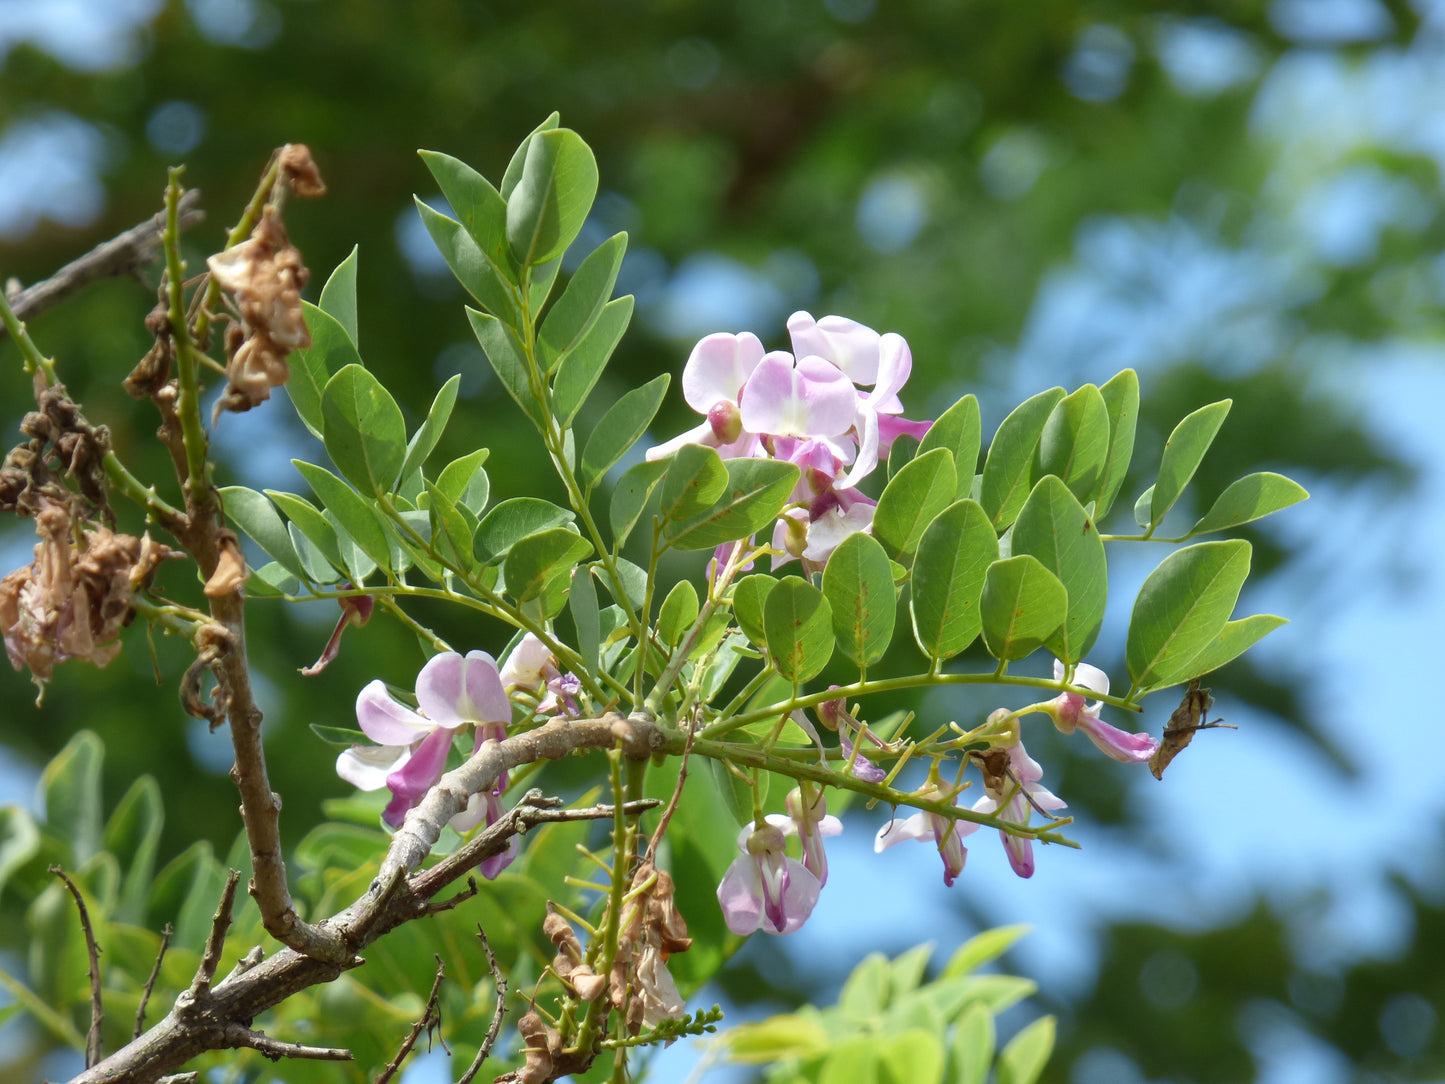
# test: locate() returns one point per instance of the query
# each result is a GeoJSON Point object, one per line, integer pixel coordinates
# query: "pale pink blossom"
{"type": "Point", "coordinates": [1069, 713]}
{"type": "Point", "coordinates": [764, 888]}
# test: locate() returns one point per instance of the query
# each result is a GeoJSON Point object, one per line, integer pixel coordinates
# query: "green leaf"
{"type": "Point", "coordinates": [1008, 468]}
{"type": "Point", "coordinates": [750, 596]}
{"type": "Point", "coordinates": [365, 434]}
{"type": "Point", "coordinates": [695, 479]}
{"type": "Point", "coordinates": [960, 430]}
{"type": "Point", "coordinates": [754, 492]}
{"type": "Point", "coordinates": [679, 610]}
{"type": "Point", "coordinates": [582, 600]}
{"type": "Point", "coordinates": [1141, 507]}
{"type": "Point", "coordinates": [948, 577]}
{"type": "Point", "coordinates": [1053, 526]}
{"type": "Point", "coordinates": [1249, 498]}
{"type": "Point", "coordinates": [634, 583]}
{"type": "Point", "coordinates": [630, 498]}
{"type": "Point", "coordinates": [1024, 1058]}
{"type": "Point", "coordinates": [972, 1047]}
{"type": "Point", "coordinates": [342, 737]}
{"type": "Point", "coordinates": [914, 1057]}
{"type": "Point", "coordinates": [338, 296]}
{"type": "Point", "coordinates": [910, 500]}
{"type": "Point", "coordinates": [355, 561]}
{"type": "Point", "coordinates": [621, 427]}
{"type": "Point", "coordinates": [19, 840]}
{"type": "Point", "coordinates": [459, 477]}
{"type": "Point", "coordinates": [330, 351]}
{"type": "Point", "coordinates": [133, 835]}
{"type": "Point", "coordinates": [185, 893]}
{"type": "Point", "coordinates": [1182, 607]}
{"type": "Point", "coordinates": [70, 786]}
{"type": "Point", "coordinates": [858, 584]}
{"type": "Point", "coordinates": [513, 520]}
{"type": "Point", "coordinates": [551, 199]}
{"type": "Point", "coordinates": [901, 454]}
{"type": "Point", "coordinates": [313, 527]}
{"type": "Point", "coordinates": [1075, 442]}
{"type": "Point", "coordinates": [1183, 453]}
{"type": "Point", "coordinates": [534, 561]}
{"type": "Point", "coordinates": [1121, 399]}
{"type": "Point", "coordinates": [865, 991]}
{"type": "Point", "coordinates": [580, 367]}
{"type": "Point", "coordinates": [482, 216]}
{"type": "Point", "coordinates": [513, 173]}
{"type": "Point", "coordinates": [451, 533]}
{"type": "Point", "coordinates": [258, 518]}
{"type": "Point", "coordinates": [508, 360]}
{"type": "Point", "coordinates": [1236, 638]}
{"type": "Point", "coordinates": [798, 625]}
{"type": "Point", "coordinates": [272, 581]}
{"type": "Point", "coordinates": [481, 277]}
{"type": "Point", "coordinates": [352, 512]}
{"type": "Point", "coordinates": [582, 302]}
{"type": "Point", "coordinates": [983, 948]}
{"type": "Point", "coordinates": [789, 1035]}
{"type": "Point", "coordinates": [1023, 605]}
{"type": "Point", "coordinates": [430, 431]}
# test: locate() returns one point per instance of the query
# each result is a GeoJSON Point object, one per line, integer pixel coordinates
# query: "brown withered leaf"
{"type": "Point", "coordinates": [1182, 726]}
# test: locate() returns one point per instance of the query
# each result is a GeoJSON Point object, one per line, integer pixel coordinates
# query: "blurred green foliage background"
{"type": "Point", "coordinates": [1238, 198]}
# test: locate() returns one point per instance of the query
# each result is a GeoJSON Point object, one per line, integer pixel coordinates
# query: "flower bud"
{"type": "Point", "coordinates": [726, 421]}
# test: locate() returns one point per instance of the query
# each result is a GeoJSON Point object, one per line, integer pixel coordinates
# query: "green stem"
{"type": "Point", "coordinates": [145, 496]}
{"type": "Point", "coordinates": [911, 681]}
{"type": "Point", "coordinates": [34, 359]}
{"type": "Point", "coordinates": [621, 876]}
{"type": "Point", "coordinates": [188, 404]}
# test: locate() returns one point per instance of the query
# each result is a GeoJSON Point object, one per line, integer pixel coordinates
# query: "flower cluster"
{"type": "Point", "coordinates": [831, 407]}
{"type": "Point", "coordinates": [453, 693]}
{"type": "Point", "coordinates": [766, 889]}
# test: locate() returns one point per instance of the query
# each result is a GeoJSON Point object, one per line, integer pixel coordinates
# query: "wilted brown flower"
{"type": "Point", "coordinates": [72, 602]}
{"type": "Point", "coordinates": [231, 571]}
{"type": "Point", "coordinates": [265, 274]}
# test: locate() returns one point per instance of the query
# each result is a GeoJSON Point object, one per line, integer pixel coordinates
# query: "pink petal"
{"type": "Point", "coordinates": [385, 721]}
{"type": "Point", "coordinates": [701, 434]}
{"type": "Point", "coordinates": [525, 664]}
{"type": "Point", "coordinates": [868, 445]}
{"type": "Point", "coordinates": [846, 343]}
{"type": "Point", "coordinates": [895, 364]}
{"type": "Point", "coordinates": [890, 428]}
{"type": "Point", "coordinates": [453, 690]}
{"type": "Point", "coordinates": [366, 767]}
{"type": "Point", "coordinates": [741, 896]}
{"type": "Point", "coordinates": [1118, 744]}
{"type": "Point", "coordinates": [718, 367]}
{"type": "Point", "coordinates": [919, 827]}
{"type": "Point", "coordinates": [809, 398]}
{"type": "Point", "coordinates": [417, 776]}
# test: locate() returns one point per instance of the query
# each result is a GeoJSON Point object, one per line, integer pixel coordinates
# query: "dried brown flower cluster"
{"type": "Point", "coordinates": [652, 929]}
{"type": "Point", "coordinates": [265, 275]}
{"type": "Point", "coordinates": [59, 436]}
{"type": "Point", "coordinates": [72, 602]}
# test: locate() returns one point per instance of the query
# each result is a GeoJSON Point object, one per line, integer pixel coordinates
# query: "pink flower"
{"type": "Point", "coordinates": [1068, 712]}
{"type": "Point", "coordinates": [452, 692]}
{"type": "Point", "coordinates": [1010, 795]}
{"type": "Point", "coordinates": [765, 889]}
{"type": "Point", "coordinates": [934, 828]}
{"type": "Point", "coordinates": [712, 383]}
{"type": "Point", "coordinates": [802, 397]}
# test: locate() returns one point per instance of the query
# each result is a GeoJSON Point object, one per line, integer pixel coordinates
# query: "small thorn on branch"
{"type": "Point", "coordinates": [145, 994]}
{"type": "Point", "coordinates": [97, 1013]}
{"type": "Point", "coordinates": [430, 1018]}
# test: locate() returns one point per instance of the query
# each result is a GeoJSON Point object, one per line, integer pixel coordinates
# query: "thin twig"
{"type": "Point", "coordinates": [276, 1049]}
{"type": "Point", "coordinates": [145, 994]}
{"type": "Point", "coordinates": [97, 1013]}
{"type": "Point", "coordinates": [180, 1078]}
{"type": "Point", "coordinates": [124, 254]}
{"type": "Point", "coordinates": [498, 1014]}
{"type": "Point", "coordinates": [447, 904]}
{"type": "Point", "coordinates": [431, 1017]}
{"type": "Point", "coordinates": [220, 923]}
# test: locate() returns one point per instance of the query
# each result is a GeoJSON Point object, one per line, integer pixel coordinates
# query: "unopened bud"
{"type": "Point", "coordinates": [726, 421]}
{"type": "Point", "coordinates": [795, 536]}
